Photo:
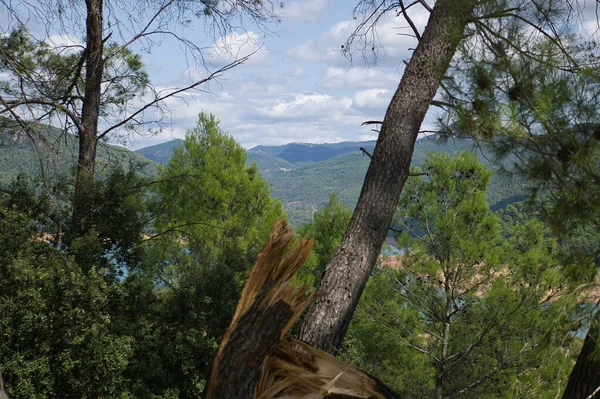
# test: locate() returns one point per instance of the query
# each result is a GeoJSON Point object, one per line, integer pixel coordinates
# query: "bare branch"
{"type": "Point", "coordinates": [142, 32]}
{"type": "Point", "coordinates": [409, 20]}
{"type": "Point", "coordinates": [372, 123]}
{"type": "Point", "coordinates": [159, 99]}
{"type": "Point", "coordinates": [11, 104]}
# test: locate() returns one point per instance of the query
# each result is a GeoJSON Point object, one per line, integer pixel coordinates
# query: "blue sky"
{"type": "Point", "coordinates": [299, 87]}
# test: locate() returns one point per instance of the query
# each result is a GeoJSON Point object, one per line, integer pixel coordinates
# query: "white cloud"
{"type": "Point", "coordinates": [256, 90]}
{"type": "Point", "coordinates": [235, 45]}
{"type": "Point", "coordinates": [327, 47]}
{"type": "Point", "coordinates": [355, 78]}
{"type": "Point", "coordinates": [389, 42]}
{"type": "Point", "coordinates": [65, 43]}
{"type": "Point", "coordinates": [270, 119]}
{"type": "Point", "coordinates": [307, 11]}
{"type": "Point", "coordinates": [315, 96]}
{"type": "Point", "coordinates": [294, 106]}
{"type": "Point", "coordinates": [298, 72]}
{"type": "Point", "coordinates": [372, 98]}
{"type": "Point", "coordinates": [366, 137]}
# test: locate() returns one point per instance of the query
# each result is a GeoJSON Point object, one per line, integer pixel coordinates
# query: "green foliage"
{"type": "Point", "coordinates": [466, 313]}
{"type": "Point", "coordinates": [327, 228]}
{"type": "Point", "coordinates": [542, 106]}
{"type": "Point", "coordinates": [116, 216]}
{"type": "Point", "coordinates": [24, 196]}
{"type": "Point", "coordinates": [55, 323]}
{"type": "Point", "coordinates": [146, 291]}
{"type": "Point", "coordinates": [210, 199]}
{"type": "Point", "coordinates": [213, 214]}
{"type": "Point", "coordinates": [385, 336]}
{"type": "Point", "coordinates": [578, 246]}
{"type": "Point", "coordinates": [49, 78]}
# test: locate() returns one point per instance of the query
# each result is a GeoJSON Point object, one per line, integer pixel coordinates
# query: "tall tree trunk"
{"type": "Point", "coordinates": [94, 67]}
{"type": "Point", "coordinates": [584, 381]}
{"type": "Point", "coordinates": [346, 274]}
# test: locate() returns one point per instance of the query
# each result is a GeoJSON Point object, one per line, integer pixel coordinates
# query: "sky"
{"type": "Point", "coordinates": [298, 87]}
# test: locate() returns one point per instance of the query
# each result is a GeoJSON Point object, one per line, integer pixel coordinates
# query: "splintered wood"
{"type": "Point", "coordinates": [256, 360]}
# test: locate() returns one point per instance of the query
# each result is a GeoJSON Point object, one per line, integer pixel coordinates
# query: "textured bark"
{"type": "Point", "coordinates": [94, 67]}
{"type": "Point", "coordinates": [257, 360]}
{"type": "Point", "coordinates": [256, 336]}
{"type": "Point", "coordinates": [347, 272]}
{"type": "Point", "coordinates": [584, 380]}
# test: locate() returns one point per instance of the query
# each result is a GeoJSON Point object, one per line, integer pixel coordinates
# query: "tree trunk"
{"type": "Point", "coordinates": [94, 67]}
{"type": "Point", "coordinates": [584, 381]}
{"type": "Point", "coordinates": [257, 359]}
{"type": "Point", "coordinates": [347, 272]}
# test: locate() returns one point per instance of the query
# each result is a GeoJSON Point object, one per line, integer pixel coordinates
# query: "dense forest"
{"type": "Point", "coordinates": [302, 176]}
{"type": "Point", "coordinates": [126, 278]}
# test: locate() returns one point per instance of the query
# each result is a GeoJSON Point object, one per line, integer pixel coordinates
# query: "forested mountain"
{"type": "Point", "coordinates": [271, 157]}
{"type": "Point", "coordinates": [18, 153]}
{"type": "Point", "coordinates": [301, 153]}
{"type": "Point", "coordinates": [160, 153]}
{"type": "Point", "coordinates": [303, 175]}
{"type": "Point", "coordinates": [121, 272]}
{"type": "Point", "coordinates": [307, 187]}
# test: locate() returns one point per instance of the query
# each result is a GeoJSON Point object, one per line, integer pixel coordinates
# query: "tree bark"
{"type": "Point", "coordinates": [346, 274]}
{"type": "Point", "coordinates": [257, 359]}
{"type": "Point", "coordinates": [584, 381]}
{"type": "Point", "coordinates": [256, 336]}
{"type": "Point", "coordinates": [90, 113]}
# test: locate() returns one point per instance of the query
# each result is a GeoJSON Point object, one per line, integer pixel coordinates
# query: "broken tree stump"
{"type": "Point", "coordinates": [256, 360]}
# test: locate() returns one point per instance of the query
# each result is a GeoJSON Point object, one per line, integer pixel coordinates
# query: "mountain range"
{"type": "Point", "coordinates": [301, 175]}
{"type": "Point", "coordinates": [56, 151]}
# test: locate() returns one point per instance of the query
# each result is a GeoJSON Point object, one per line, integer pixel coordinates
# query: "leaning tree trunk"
{"type": "Point", "coordinates": [94, 67]}
{"type": "Point", "coordinates": [584, 381]}
{"type": "Point", "coordinates": [347, 272]}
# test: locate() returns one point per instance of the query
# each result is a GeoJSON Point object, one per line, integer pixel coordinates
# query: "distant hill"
{"type": "Point", "coordinates": [300, 153]}
{"type": "Point", "coordinates": [58, 151]}
{"type": "Point", "coordinates": [303, 175]}
{"type": "Point", "coordinates": [160, 153]}
{"type": "Point", "coordinates": [307, 187]}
